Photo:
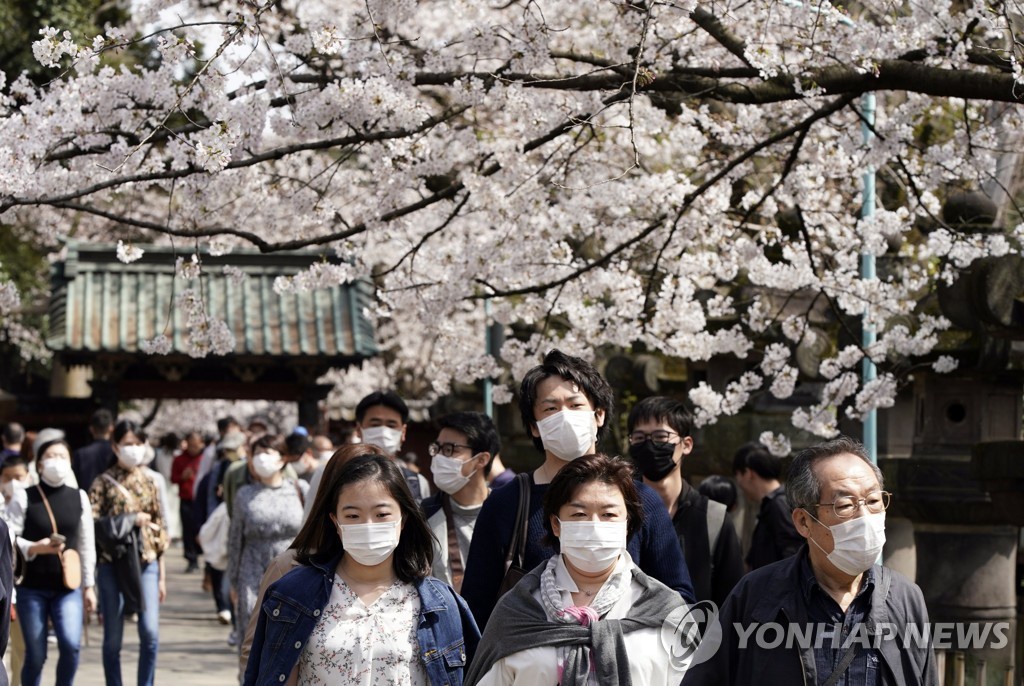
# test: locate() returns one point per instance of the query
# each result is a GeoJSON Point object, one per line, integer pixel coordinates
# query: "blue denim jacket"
{"type": "Point", "coordinates": [447, 633]}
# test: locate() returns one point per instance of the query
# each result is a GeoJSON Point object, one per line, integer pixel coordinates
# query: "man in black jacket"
{"type": "Point", "coordinates": [659, 440]}
{"type": "Point", "coordinates": [829, 614]}
{"type": "Point", "coordinates": [757, 474]}
{"type": "Point", "coordinates": [89, 462]}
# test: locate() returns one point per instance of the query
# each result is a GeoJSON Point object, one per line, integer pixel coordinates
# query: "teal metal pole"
{"type": "Point", "coordinates": [867, 272]}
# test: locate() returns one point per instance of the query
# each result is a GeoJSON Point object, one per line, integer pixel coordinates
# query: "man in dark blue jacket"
{"type": "Point", "coordinates": [565, 405]}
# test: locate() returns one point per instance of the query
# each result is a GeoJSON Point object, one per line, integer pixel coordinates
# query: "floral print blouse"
{"type": "Point", "coordinates": [137, 493]}
{"type": "Point", "coordinates": [365, 646]}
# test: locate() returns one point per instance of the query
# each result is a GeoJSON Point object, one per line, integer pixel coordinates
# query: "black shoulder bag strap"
{"type": "Point", "coordinates": [851, 651]}
{"type": "Point", "coordinates": [517, 551]}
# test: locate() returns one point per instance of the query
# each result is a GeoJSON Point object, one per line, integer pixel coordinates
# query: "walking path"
{"type": "Point", "coordinates": [193, 644]}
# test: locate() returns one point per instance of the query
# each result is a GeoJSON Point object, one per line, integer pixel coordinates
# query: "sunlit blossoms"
{"type": "Point", "coordinates": [679, 178]}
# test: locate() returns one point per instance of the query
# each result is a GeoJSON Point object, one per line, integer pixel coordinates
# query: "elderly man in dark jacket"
{"type": "Point", "coordinates": [829, 614]}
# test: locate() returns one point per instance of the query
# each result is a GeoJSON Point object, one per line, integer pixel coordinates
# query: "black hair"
{"type": "Point", "coordinates": [479, 430]}
{"type": "Point", "coordinates": [720, 489]}
{"type": "Point", "coordinates": [755, 456]}
{"type": "Point", "coordinates": [13, 433]}
{"type": "Point", "coordinates": [573, 369]}
{"type": "Point", "coordinates": [658, 408]}
{"type": "Point", "coordinates": [583, 470]}
{"type": "Point", "coordinates": [296, 444]}
{"type": "Point", "coordinates": [101, 421]}
{"type": "Point", "coordinates": [14, 460]}
{"type": "Point", "coordinates": [387, 399]}
{"type": "Point", "coordinates": [224, 422]}
{"type": "Point", "coordinates": [127, 426]}
{"type": "Point", "coordinates": [43, 447]}
{"type": "Point", "coordinates": [319, 537]}
{"type": "Point", "coordinates": [170, 441]}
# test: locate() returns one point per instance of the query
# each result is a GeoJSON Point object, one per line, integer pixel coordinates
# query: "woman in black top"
{"type": "Point", "coordinates": [42, 594]}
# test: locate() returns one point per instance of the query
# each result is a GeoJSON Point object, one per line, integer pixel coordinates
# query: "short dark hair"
{"type": "Point", "coordinates": [128, 426]}
{"type": "Point", "coordinates": [170, 441]}
{"type": "Point", "coordinates": [319, 537]}
{"type": "Point", "coordinates": [802, 486]}
{"type": "Point", "coordinates": [755, 456]}
{"type": "Point", "coordinates": [13, 433]}
{"type": "Point", "coordinates": [224, 422]}
{"type": "Point", "coordinates": [14, 460]}
{"type": "Point", "coordinates": [101, 421]}
{"type": "Point", "coordinates": [583, 470]}
{"type": "Point", "coordinates": [385, 398]}
{"type": "Point", "coordinates": [658, 408]}
{"type": "Point", "coordinates": [479, 430]}
{"type": "Point", "coordinates": [720, 489]}
{"type": "Point", "coordinates": [574, 369]}
{"type": "Point", "coordinates": [296, 444]}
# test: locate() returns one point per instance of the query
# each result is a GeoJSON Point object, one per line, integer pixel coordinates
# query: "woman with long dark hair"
{"type": "Point", "coordinates": [131, 539]}
{"type": "Point", "coordinates": [360, 608]}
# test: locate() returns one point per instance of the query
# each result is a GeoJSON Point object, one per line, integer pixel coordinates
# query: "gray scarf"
{"type": "Point", "coordinates": [519, 623]}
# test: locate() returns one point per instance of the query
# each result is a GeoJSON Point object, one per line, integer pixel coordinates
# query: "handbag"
{"type": "Point", "coordinates": [514, 563]}
{"type": "Point", "coordinates": [70, 560]}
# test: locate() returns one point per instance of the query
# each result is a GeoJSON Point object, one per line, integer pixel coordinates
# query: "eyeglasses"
{"type": "Point", "coordinates": [446, 449]}
{"type": "Point", "coordinates": [845, 506]}
{"type": "Point", "coordinates": [660, 436]}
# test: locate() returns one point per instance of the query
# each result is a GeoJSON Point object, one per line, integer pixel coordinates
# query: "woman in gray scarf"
{"type": "Point", "coordinates": [587, 615]}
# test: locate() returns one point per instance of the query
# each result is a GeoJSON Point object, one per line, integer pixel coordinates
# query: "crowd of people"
{"type": "Point", "coordinates": [338, 565]}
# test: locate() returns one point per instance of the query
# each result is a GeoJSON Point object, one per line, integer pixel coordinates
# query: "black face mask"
{"type": "Point", "coordinates": [654, 459]}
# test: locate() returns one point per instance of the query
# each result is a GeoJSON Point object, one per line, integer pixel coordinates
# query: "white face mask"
{"type": "Point", "coordinates": [592, 546]}
{"type": "Point", "coordinates": [150, 454]}
{"type": "Point", "coordinates": [267, 463]}
{"type": "Point", "coordinates": [447, 473]}
{"type": "Point", "coordinates": [370, 544]}
{"type": "Point", "coordinates": [384, 437]}
{"type": "Point", "coordinates": [858, 543]}
{"type": "Point", "coordinates": [568, 434]}
{"type": "Point", "coordinates": [11, 486]}
{"type": "Point", "coordinates": [131, 456]}
{"type": "Point", "coordinates": [55, 471]}
{"type": "Point", "coordinates": [325, 455]}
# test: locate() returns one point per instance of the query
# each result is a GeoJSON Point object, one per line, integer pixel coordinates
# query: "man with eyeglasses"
{"type": "Point", "coordinates": [459, 461]}
{"type": "Point", "coordinates": [853, 621]}
{"type": "Point", "coordinates": [659, 440]}
{"type": "Point", "coordinates": [757, 474]}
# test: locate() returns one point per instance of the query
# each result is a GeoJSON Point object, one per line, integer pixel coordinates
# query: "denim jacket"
{"type": "Point", "coordinates": [446, 632]}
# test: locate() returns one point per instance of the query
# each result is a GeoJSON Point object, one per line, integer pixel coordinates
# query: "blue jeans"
{"type": "Point", "coordinates": [35, 606]}
{"type": "Point", "coordinates": [112, 608]}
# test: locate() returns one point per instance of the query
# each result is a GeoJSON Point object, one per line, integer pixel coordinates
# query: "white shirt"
{"type": "Point", "coordinates": [649, 661]}
{"type": "Point", "coordinates": [365, 646]}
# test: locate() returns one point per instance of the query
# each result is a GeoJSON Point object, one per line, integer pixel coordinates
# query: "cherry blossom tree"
{"type": "Point", "coordinates": [672, 176]}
